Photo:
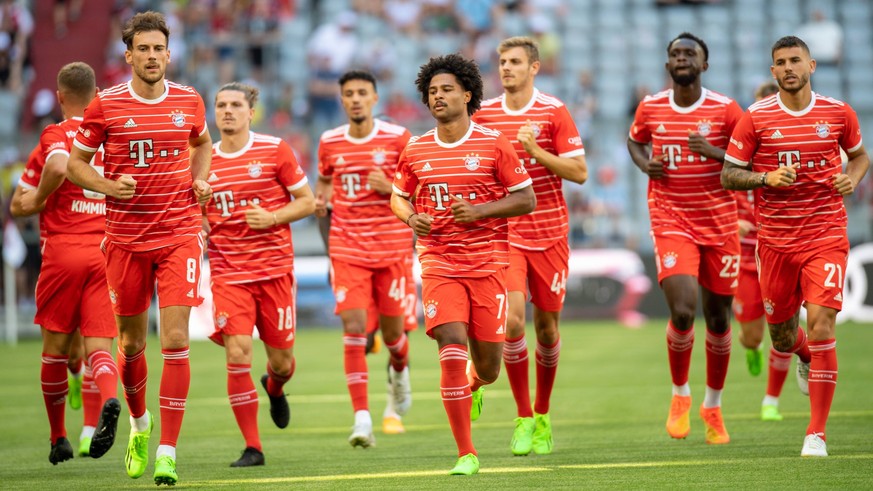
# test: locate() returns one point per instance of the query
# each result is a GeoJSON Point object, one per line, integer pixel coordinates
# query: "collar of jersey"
{"type": "Point", "coordinates": [436, 137]}
{"type": "Point", "coordinates": [239, 152]}
{"type": "Point", "coordinates": [802, 112]}
{"type": "Point", "coordinates": [365, 139]}
{"type": "Point", "coordinates": [149, 101]}
{"type": "Point", "coordinates": [690, 109]}
{"type": "Point", "coordinates": [523, 110]}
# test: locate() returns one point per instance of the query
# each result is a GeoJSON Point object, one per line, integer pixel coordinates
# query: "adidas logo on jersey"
{"type": "Point", "coordinates": [735, 284]}
{"type": "Point", "coordinates": [500, 330]}
{"type": "Point", "coordinates": [776, 135]}
{"type": "Point", "coordinates": [130, 123]}
{"type": "Point", "coordinates": [660, 129]}
{"type": "Point", "coordinates": [190, 293]}
{"type": "Point", "coordinates": [212, 177]}
{"type": "Point", "coordinates": [426, 167]}
{"type": "Point", "coordinates": [839, 297]}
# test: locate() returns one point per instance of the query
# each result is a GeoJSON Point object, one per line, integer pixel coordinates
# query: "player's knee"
{"type": "Point", "coordinates": [682, 318]}
{"type": "Point", "coordinates": [130, 345]}
{"type": "Point", "coordinates": [783, 339]}
{"type": "Point", "coordinates": [514, 324]}
{"type": "Point", "coordinates": [488, 374]}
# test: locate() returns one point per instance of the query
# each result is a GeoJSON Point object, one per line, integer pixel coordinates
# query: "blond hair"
{"type": "Point", "coordinates": [530, 45]}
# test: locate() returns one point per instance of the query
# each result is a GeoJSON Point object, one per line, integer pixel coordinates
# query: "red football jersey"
{"type": "Point", "coordinates": [748, 242]}
{"type": "Point", "coordinates": [689, 199]}
{"type": "Point", "coordinates": [809, 212]}
{"type": "Point", "coordinates": [363, 228]}
{"type": "Point", "coordinates": [556, 132]}
{"type": "Point", "coordinates": [261, 173]}
{"type": "Point", "coordinates": [481, 167]}
{"type": "Point", "coordinates": [69, 209]}
{"type": "Point", "coordinates": [148, 140]}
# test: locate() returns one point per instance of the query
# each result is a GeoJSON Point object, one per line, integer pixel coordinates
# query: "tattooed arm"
{"type": "Point", "coordinates": [736, 177]}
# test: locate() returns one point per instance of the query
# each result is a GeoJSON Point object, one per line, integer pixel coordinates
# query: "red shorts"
{"type": "Point", "coordinates": [71, 291]}
{"type": "Point", "coordinates": [715, 267]}
{"type": "Point", "coordinates": [748, 305]}
{"type": "Point", "coordinates": [543, 273]}
{"type": "Point", "coordinates": [132, 275]}
{"type": "Point", "coordinates": [357, 287]}
{"type": "Point", "coordinates": [409, 303]}
{"type": "Point", "coordinates": [269, 305]}
{"type": "Point", "coordinates": [480, 303]}
{"type": "Point", "coordinates": [790, 279]}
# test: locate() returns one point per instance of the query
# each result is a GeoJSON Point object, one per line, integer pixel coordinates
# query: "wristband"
{"type": "Point", "coordinates": [764, 180]}
{"type": "Point", "coordinates": [410, 218]}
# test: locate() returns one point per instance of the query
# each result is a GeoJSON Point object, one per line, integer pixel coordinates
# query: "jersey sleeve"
{"type": "Point", "coordinates": [743, 142]}
{"type": "Point", "coordinates": [32, 169]}
{"type": "Point", "coordinates": [510, 171]}
{"type": "Point", "coordinates": [199, 126]}
{"type": "Point", "coordinates": [92, 131]}
{"type": "Point", "coordinates": [851, 138]}
{"type": "Point", "coordinates": [399, 144]}
{"type": "Point", "coordinates": [405, 181]}
{"type": "Point", "coordinates": [732, 115]}
{"type": "Point", "coordinates": [288, 170]}
{"type": "Point", "coordinates": [639, 132]}
{"type": "Point", "coordinates": [566, 137]}
{"type": "Point", "coordinates": [53, 140]}
{"type": "Point", "coordinates": [324, 167]}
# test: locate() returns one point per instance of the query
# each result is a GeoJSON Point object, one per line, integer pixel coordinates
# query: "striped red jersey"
{"type": "Point", "coordinates": [363, 229]}
{"type": "Point", "coordinates": [148, 140]}
{"type": "Point", "coordinates": [809, 212]}
{"type": "Point", "coordinates": [481, 167]}
{"type": "Point", "coordinates": [262, 173]}
{"type": "Point", "coordinates": [69, 209]}
{"type": "Point", "coordinates": [748, 242]}
{"type": "Point", "coordinates": [557, 134]}
{"type": "Point", "coordinates": [689, 199]}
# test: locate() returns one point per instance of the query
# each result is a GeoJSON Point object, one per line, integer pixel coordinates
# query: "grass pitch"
{"type": "Point", "coordinates": [608, 412]}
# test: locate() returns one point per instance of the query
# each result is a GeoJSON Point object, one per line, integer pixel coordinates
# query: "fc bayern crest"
{"type": "Point", "coordinates": [704, 128]}
{"type": "Point", "coordinates": [768, 306]}
{"type": "Point", "coordinates": [670, 259]}
{"type": "Point", "coordinates": [379, 156]}
{"type": "Point", "coordinates": [536, 130]}
{"type": "Point", "coordinates": [255, 169]}
{"type": "Point", "coordinates": [471, 162]}
{"type": "Point", "coordinates": [221, 320]}
{"type": "Point", "coordinates": [178, 118]}
{"type": "Point", "coordinates": [430, 310]}
{"type": "Point", "coordinates": [823, 130]}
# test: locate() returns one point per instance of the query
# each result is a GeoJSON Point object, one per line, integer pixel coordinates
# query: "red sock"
{"type": "Point", "coordinates": [173, 393]}
{"type": "Point", "coordinates": [517, 366]}
{"type": "Point", "coordinates": [777, 370]}
{"type": "Point", "coordinates": [275, 382]}
{"type": "Point", "coordinates": [547, 369]}
{"type": "Point", "coordinates": [105, 374]}
{"type": "Point", "coordinates": [399, 353]}
{"type": "Point", "coordinates": [679, 346]}
{"type": "Point", "coordinates": [822, 383]}
{"type": "Point", "coordinates": [91, 402]}
{"type": "Point", "coordinates": [244, 402]}
{"type": "Point", "coordinates": [134, 373]}
{"type": "Point", "coordinates": [718, 355]}
{"type": "Point", "coordinates": [801, 346]}
{"type": "Point", "coordinates": [455, 392]}
{"type": "Point", "coordinates": [355, 363]}
{"type": "Point", "coordinates": [53, 378]}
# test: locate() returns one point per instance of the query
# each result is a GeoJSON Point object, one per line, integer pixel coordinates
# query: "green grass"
{"type": "Point", "coordinates": [608, 414]}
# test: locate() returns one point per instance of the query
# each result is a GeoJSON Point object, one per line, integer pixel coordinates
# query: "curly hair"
{"type": "Point", "coordinates": [691, 37]}
{"type": "Point", "coordinates": [465, 71]}
{"type": "Point", "coordinates": [144, 22]}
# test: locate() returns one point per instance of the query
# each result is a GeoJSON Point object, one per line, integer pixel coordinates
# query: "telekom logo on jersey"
{"type": "Point", "coordinates": [439, 194]}
{"type": "Point", "coordinates": [140, 150]}
{"type": "Point", "coordinates": [791, 157]}
{"type": "Point", "coordinates": [352, 184]}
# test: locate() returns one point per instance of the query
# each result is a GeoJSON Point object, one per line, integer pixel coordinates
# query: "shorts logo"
{"type": "Point", "coordinates": [704, 127]}
{"type": "Point", "coordinates": [768, 306]}
{"type": "Point", "coordinates": [379, 157]}
{"type": "Point", "coordinates": [221, 319]}
{"type": "Point", "coordinates": [430, 308]}
{"type": "Point", "coordinates": [670, 259]}
{"type": "Point", "coordinates": [471, 162]}
{"type": "Point", "coordinates": [178, 118]}
{"type": "Point", "coordinates": [255, 169]}
{"type": "Point", "coordinates": [341, 294]}
{"type": "Point", "coordinates": [113, 297]}
{"type": "Point", "coordinates": [822, 129]}
{"type": "Point", "coordinates": [838, 297]}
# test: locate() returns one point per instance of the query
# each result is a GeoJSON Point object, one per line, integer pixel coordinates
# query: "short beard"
{"type": "Point", "coordinates": [803, 82]}
{"type": "Point", "coordinates": [683, 80]}
{"type": "Point", "coordinates": [358, 119]}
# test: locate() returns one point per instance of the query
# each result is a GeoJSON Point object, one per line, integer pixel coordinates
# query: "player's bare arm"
{"type": "Point", "coordinates": [519, 202]}
{"type": "Point", "coordinates": [201, 158]}
{"type": "Point", "coordinates": [301, 206]}
{"type": "Point", "coordinates": [15, 207]}
{"type": "Point", "coordinates": [80, 173]}
{"type": "Point", "coordinates": [698, 144]}
{"type": "Point", "coordinates": [738, 178]}
{"type": "Point", "coordinates": [652, 167]}
{"type": "Point", "coordinates": [53, 175]}
{"type": "Point", "coordinates": [856, 169]}
{"type": "Point", "coordinates": [420, 223]}
{"type": "Point", "coordinates": [573, 169]}
{"type": "Point", "coordinates": [323, 195]}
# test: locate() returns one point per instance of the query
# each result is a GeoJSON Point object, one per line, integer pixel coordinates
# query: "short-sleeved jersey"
{"type": "Point", "coordinates": [689, 199]}
{"type": "Point", "coordinates": [481, 167]}
{"type": "Point", "coordinates": [262, 173]}
{"type": "Point", "coordinates": [746, 211]}
{"type": "Point", "coordinates": [69, 209]}
{"type": "Point", "coordinates": [363, 228]}
{"type": "Point", "coordinates": [557, 134]}
{"type": "Point", "coordinates": [148, 140]}
{"type": "Point", "coordinates": [810, 212]}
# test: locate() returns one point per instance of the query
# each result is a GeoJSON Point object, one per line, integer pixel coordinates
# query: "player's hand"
{"type": "Point", "coordinates": [782, 177]}
{"type": "Point", "coordinates": [843, 184]}
{"type": "Point", "coordinates": [420, 223]}
{"type": "Point", "coordinates": [27, 202]}
{"type": "Point", "coordinates": [746, 227]}
{"type": "Point", "coordinates": [464, 211]}
{"type": "Point", "coordinates": [205, 229]}
{"type": "Point", "coordinates": [124, 187]}
{"type": "Point", "coordinates": [527, 137]}
{"type": "Point", "coordinates": [379, 182]}
{"type": "Point", "coordinates": [202, 190]}
{"type": "Point", "coordinates": [259, 218]}
{"type": "Point", "coordinates": [320, 206]}
{"type": "Point", "coordinates": [698, 144]}
{"type": "Point", "coordinates": [655, 167]}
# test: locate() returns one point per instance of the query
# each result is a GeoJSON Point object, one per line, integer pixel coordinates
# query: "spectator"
{"type": "Point", "coordinates": [16, 26]}
{"type": "Point", "coordinates": [824, 38]}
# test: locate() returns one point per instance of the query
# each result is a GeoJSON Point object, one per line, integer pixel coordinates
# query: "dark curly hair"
{"type": "Point", "coordinates": [465, 71]}
{"type": "Point", "coordinates": [692, 37]}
